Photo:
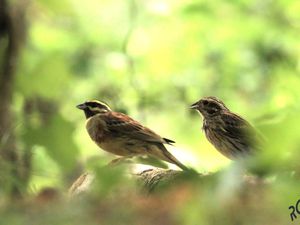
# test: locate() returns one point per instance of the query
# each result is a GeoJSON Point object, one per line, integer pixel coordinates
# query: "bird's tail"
{"type": "Point", "coordinates": [167, 156]}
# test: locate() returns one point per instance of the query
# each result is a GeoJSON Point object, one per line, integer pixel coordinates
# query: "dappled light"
{"type": "Point", "coordinates": [149, 60]}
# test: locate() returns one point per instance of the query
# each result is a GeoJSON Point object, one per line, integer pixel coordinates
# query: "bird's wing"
{"type": "Point", "coordinates": [120, 124]}
{"type": "Point", "coordinates": [238, 128]}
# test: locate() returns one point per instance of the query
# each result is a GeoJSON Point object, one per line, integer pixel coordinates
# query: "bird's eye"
{"type": "Point", "coordinates": [205, 102]}
{"type": "Point", "coordinates": [212, 111]}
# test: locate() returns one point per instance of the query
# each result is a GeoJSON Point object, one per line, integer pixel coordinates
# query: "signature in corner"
{"type": "Point", "coordinates": [295, 209]}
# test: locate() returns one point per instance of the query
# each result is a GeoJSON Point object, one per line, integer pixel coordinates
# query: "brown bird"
{"type": "Point", "coordinates": [229, 133]}
{"type": "Point", "coordinates": [121, 135]}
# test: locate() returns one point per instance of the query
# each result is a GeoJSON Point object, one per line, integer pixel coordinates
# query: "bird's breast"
{"type": "Point", "coordinates": [96, 128]}
{"type": "Point", "coordinates": [204, 127]}
{"type": "Point", "coordinates": [119, 145]}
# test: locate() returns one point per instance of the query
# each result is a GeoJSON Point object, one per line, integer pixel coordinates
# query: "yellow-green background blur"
{"type": "Point", "coordinates": [151, 59]}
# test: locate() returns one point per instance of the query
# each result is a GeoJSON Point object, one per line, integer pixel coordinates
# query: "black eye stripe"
{"type": "Point", "coordinates": [94, 104]}
{"type": "Point", "coordinates": [213, 105]}
{"type": "Point", "coordinates": [212, 110]}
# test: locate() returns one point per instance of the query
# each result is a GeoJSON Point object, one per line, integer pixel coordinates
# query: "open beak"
{"type": "Point", "coordinates": [81, 106]}
{"type": "Point", "coordinates": [194, 106]}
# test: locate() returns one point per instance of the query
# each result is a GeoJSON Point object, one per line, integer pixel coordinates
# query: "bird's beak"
{"type": "Point", "coordinates": [194, 106]}
{"type": "Point", "coordinates": [81, 106]}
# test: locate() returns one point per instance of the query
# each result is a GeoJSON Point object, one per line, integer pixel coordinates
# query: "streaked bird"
{"type": "Point", "coordinates": [229, 133]}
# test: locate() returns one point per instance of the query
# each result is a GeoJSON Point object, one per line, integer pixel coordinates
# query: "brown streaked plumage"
{"type": "Point", "coordinates": [121, 135]}
{"type": "Point", "coordinates": [230, 134]}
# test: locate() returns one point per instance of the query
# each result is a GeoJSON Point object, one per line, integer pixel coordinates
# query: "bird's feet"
{"type": "Point", "coordinates": [120, 160]}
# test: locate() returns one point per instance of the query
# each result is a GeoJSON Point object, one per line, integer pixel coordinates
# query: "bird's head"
{"type": "Point", "coordinates": [209, 106]}
{"type": "Point", "coordinates": [93, 107]}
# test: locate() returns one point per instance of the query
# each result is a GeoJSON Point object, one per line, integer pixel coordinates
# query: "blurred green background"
{"type": "Point", "coordinates": [152, 59]}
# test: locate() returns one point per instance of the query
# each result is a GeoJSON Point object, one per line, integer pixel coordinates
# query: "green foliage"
{"type": "Point", "coordinates": [151, 60]}
{"type": "Point", "coordinates": [59, 145]}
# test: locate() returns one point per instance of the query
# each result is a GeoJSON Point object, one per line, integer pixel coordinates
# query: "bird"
{"type": "Point", "coordinates": [228, 132]}
{"type": "Point", "coordinates": [119, 134]}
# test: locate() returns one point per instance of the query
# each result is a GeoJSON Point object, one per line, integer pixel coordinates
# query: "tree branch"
{"type": "Point", "coordinates": [151, 179]}
{"type": "Point", "coordinates": [12, 17]}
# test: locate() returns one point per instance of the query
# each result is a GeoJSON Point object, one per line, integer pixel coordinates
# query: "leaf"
{"type": "Point", "coordinates": [57, 137]}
